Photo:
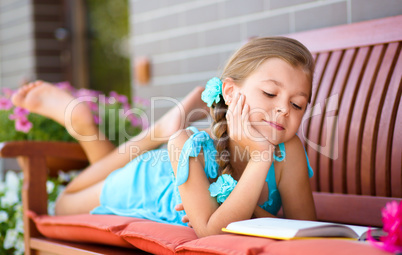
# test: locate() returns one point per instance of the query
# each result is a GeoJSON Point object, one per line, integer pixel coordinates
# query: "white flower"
{"type": "Point", "coordinates": [18, 208]}
{"type": "Point", "coordinates": [49, 187]}
{"type": "Point", "coordinates": [19, 226]}
{"type": "Point", "coordinates": [10, 239]}
{"type": "Point", "coordinates": [3, 216]}
{"type": "Point", "coordinates": [73, 174]}
{"type": "Point", "coordinates": [10, 198]}
{"type": "Point", "coordinates": [19, 246]}
{"type": "Point", "coordinates": [12, 181]}
{"type": "Point", "coordinates": [64, 177]}
{"type": "Point", "coordinates": [51, 208]}
{"type": "Point", "coordinates": [2, 187]}
{"type": "Point", "coordinates": [18, 211]}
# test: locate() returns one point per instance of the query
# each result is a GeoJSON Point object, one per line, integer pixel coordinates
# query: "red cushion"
{"type": "Point", "coordinates": [237, 244]}
{"type": "Point", "coordinates": [157, 238]}
{"type": "Point", "coordinates": [227, 244]}
{"type": "Point", "coordinates": [102, 229]}
{"type": "Point", "coordinates": [330, 246]}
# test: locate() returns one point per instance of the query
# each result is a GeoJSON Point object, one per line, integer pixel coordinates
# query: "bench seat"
{"type": "Point", "coordinates": [351, 133]}
{"type": "Point", "coordinates": [159, 238]}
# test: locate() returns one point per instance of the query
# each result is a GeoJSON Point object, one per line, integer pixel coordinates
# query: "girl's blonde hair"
{"type": "Point", "coordinates": [243, 63]}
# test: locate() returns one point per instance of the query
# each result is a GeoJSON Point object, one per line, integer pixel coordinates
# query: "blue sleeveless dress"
{"type": "Point", "coordinates": [147, 187]}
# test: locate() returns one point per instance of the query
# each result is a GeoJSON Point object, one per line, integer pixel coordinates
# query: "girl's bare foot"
{"type": "Point", "coordinates": [47, 100]}
{"type": "Point", "coordinates": [190, 109]}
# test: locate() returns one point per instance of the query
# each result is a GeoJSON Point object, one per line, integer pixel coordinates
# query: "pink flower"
{"type": "Point", "coordinates": [5, 104]}
{"type": "Point", "coordinates": [120, 98]}
{"type": "Point", "coordinates": [20, 111]}
{"type": "Point", "coordinates": [86, 92]}
{"type": "Point", "coordinates": [23, 125]}
{"type": "Point", "coordinates": [97, 120]}
{"type": "Point", "coordinates": [138, 122]}
{"type": "Point", "coordinates": [392, 219]}
{"type": "Point", "coordinates": [103, 99]}
{"type": "Point", "coordinates": [21, 120]}
{"type": "Point", "coordinates": [126, 107]}
{"type": "Point", "coordinates": [7, 92]}
{"type": "Point", "coordinates": [141, 101]}
{"type": "Point", "coordinates": [134, 121]}
{"type": "Point", "coordinates": [65, 85]}
{"type": "Point", "coordinates": [93, 106]}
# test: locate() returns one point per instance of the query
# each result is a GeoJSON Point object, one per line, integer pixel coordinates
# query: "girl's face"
{"type": "Point", "coordinates": [277, 94]}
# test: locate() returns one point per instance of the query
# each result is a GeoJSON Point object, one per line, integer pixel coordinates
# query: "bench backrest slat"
{"type": "Point", "coordinates": [371, 128]}
{"type": "Point", "coordinates": [345, 140]}
{"type": "Point", "coordinates": [338, 184]}
{"type": "Point", "coordinates": [352, 128]}
{"type": "Point", "coordinates": [396, 161]}
{"type": "Point", "coordinates": [387, 122]}
{"type": "Point", "coordinates": [327, 120]}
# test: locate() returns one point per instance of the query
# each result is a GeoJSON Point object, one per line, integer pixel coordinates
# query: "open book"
{"type": "Point", "coordinates": [294, 229]}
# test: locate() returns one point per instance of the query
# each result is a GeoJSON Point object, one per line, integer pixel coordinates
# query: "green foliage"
{"type": "Point", "coordinates": [115, 125]}
{"type": "Point", "coordinates": [43, 129]}
{"type": "Point", "coordinates": [119, 121]}
{"type": "Point", "coordinates": [109, 62]}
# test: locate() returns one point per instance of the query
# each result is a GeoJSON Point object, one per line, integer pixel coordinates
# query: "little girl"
{"type": "Point", "coordinates": [250, 163]}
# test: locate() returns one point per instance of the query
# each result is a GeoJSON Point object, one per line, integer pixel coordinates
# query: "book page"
{"type": "Point", "coordinates": [287, 229]}
{"type": "Point", "coordinates": [260, 228]}
{"type": "Point", "coordinates": [359, 230]}
{"type": "Point", "coordinates": [328, 231]}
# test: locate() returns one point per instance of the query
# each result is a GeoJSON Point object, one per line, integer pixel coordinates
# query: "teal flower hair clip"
{"type": "Point", "coordinates": [212, 91]}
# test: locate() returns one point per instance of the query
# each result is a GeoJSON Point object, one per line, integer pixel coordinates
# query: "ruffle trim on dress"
{"type": "Point", "coordinates": [192, 148]}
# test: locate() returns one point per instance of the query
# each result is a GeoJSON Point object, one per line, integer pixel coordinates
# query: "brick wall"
{"type": "Point", "coordinates": [16, 42]}
{"type": "Point", "coordinates": [188, 42]}
{"type": "Point", "coordinates": [28, 46]}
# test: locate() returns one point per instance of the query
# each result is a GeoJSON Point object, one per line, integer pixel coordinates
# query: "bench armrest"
{"type": "Point", "coordinates": [34, 157]}
{"type": "Point", "coordinates": [49, 149]}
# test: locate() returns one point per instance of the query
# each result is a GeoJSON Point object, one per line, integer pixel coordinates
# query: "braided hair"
{"type": "Point", "coordinates": [219, 130]}
{"type": "Point", "coordinates": [242, 64]}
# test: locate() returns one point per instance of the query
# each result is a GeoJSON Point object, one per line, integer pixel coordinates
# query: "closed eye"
{"type": "Point", "coordinates": [269, 94]}
{"type": "Point", "coordinates": [296, 106]}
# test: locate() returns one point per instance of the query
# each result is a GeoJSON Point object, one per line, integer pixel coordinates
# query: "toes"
{"type": "Point", "coordinates": [38, 82]}
{"type": "Point", "coordinates": [19, 96]}
{"type": "Point", "coordinates": [30, 86]}
{"type": "Point", "coordinates": [25, 88]}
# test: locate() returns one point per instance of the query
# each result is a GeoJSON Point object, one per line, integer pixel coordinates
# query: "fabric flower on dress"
{"type": "Point", "coordinates": [392, 219]}
{"type": "Point", "coordinates": [212, 91]}
{"type": "Point", "coordinates": [222, 188]}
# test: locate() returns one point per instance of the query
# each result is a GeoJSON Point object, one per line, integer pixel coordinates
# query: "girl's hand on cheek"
{"type": "Point", "coordinates": [241, 130]}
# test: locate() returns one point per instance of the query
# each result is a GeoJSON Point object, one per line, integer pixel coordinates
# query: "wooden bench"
{"type": "Point", "coordinates": [352, 135]}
